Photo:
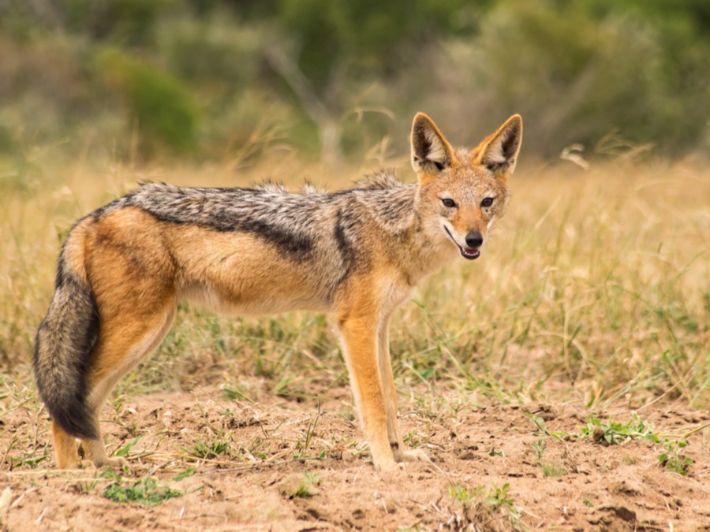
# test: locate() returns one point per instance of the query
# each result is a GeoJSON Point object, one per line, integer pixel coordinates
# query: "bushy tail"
{"type": "Point", "coordinates": [63, 345]}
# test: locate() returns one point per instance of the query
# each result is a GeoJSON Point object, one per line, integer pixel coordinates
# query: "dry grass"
{"type": "Point", "coordinates": [595, 289]}
{"type": "Point", "coordinates": [593, 297]}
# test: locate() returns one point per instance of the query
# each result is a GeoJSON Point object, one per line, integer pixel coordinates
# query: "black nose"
{"type": "Point", "coordinates": [474, 239]}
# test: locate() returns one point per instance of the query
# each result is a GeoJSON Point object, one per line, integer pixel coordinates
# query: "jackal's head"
{"type": "Point", "coordinates": [461, 192]}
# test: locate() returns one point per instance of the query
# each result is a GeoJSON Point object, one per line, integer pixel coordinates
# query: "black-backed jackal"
{"type": "Point", "coordinates": [356, 253]}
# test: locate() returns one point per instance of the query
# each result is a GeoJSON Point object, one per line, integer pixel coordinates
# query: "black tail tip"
{"type": "Point", "coordinates": [76, 421]}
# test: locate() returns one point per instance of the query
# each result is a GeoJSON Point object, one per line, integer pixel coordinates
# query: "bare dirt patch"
{"type": "Point", "coordinates": [204, 461]}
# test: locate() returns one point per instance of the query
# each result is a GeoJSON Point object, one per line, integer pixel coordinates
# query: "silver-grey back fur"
{"type": "Point", "coordinates": [270, 210]}
{"type": "Point", "coordinates": [325, 229]}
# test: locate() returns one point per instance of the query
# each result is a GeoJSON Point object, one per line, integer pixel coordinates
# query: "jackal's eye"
{"type": "Point", "coordinates": [448, 202]}
{"type": "Point", "coordinates": [487, 202]}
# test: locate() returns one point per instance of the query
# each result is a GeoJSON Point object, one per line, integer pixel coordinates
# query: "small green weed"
{"type": "Point", "coordinates": [86, 486]}
{"type": "Point", "coordinates": [615, 432]}
{"type": "Point", "coordinates": [412, 439]}
{"type": "Point", "coordinates": [305, 488]}
{"type": "Point", "coordinates": [182, 475]}
{"type": "Point", "coordinates": [304, 444]}
{"type": "Point", "coordinates": [494, 451]}
{"type": "Point", "coordinates": [540, 424]}
{"type": "Point", "coordinates": [483, 509]}
{"type": "Point", "coordinates": [460, 493]}
{"type": "Point", "coordinates": [673, 459]}
{"type": "Point", "coordinates": [109, 474]}
{"type": "Point", "coordinates": [28, 460]}
{"type": "Point", "coordinates": [144, 491]}
{"type": "Point", "coordinates": [539, 447]}
{"type": "Point", "coordinates": [553, 469]}
{"type": "Point", "coordinates": [496, 498]}
{"type": "Point", "coordinates": [549, 469]}
{"type": "Point", "coordinates": [123, 451]}
{"type": "Point", "coordinates": [499, 498]}
{"type": "Point", "coordinates": [210, 450]}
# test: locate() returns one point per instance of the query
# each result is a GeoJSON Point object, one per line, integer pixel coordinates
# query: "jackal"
{"type": "Point", "coordinates": [356, 253]}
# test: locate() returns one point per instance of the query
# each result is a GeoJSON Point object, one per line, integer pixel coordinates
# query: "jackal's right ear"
{"type": "Point", "coordinates": [431, 152]}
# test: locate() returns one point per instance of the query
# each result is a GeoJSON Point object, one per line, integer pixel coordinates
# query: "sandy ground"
{"type": "Point", "coordinates": [280, 464]}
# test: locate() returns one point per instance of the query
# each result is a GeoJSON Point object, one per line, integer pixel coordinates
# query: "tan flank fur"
{"type": "Point", "coordinates": [355, 253]}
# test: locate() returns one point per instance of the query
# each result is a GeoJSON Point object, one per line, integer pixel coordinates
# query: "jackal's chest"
{"type": "Point", "coordinates": [393, 290]}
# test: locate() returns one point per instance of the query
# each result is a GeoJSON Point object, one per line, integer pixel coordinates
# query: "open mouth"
{"type": "Point", "coordinates": [466, 252]}
{"type": "Point", "coordinates": [470, 253]}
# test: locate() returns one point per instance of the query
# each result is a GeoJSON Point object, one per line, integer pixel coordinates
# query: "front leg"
{"type": "Point", "coordinates": [389, 390]}
{"type": "Point", "coordinates": [360, 346]}
{"type": "Point", "coordinates": [401, 454]}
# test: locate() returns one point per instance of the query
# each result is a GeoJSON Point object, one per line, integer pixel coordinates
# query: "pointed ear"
{"type": "Point", "coordinates": [431, 152]}
{"type": "Point", "coordinates": [499, 152]}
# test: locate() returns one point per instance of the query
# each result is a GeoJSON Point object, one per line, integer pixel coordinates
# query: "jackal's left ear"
{"type": "Point", "coordinates": [431, 152]}
{"type": "Point", "coordinates": [499, 151]}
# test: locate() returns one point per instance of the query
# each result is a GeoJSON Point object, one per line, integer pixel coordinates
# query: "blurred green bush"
{"type": "Point", "coordinates": [161, 105]}
{"type": "Point", "coordinates": [577, 77]}
{"type": "Point", "coordinates": [229, 78]}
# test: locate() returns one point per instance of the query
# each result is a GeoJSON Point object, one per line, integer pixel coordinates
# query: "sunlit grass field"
{"type": "Point", "coordinates": [594, 289]}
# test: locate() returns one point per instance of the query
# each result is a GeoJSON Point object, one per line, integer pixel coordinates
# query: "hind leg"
{"type": "Point", "coordinates": [65, 449]}
{"type": "Point", "coordinates": [117, 352]}
{"type": "Point", "coordinates": [132, 276]}
{"type": "Point", "coordinates": [115, 356]}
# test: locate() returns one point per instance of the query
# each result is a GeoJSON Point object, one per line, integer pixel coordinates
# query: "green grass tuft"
{"type": "Point", "coordinates": [145, 491]}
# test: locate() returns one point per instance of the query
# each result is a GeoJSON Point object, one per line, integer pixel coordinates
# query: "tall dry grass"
{"type": "Point", "coordinates": [595, 288]}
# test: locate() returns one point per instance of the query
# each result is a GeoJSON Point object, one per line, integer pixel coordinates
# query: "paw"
{"type": "Point", "coordinates": [385, 463]}
{"type": "Point", "coordinates": [114, 463]}
{"type": "Point", "coordinates": [411, 455]}
{"type": "Point", "coordinates": [385, 468]}
{"type": "Point", "coordinates": [66, 464]}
